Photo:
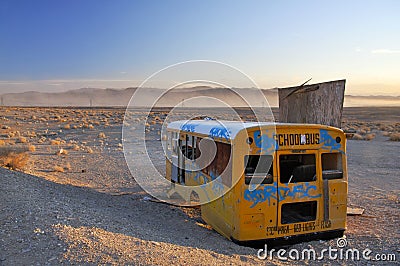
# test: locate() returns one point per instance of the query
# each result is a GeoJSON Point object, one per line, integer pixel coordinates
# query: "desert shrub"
{"type": "Point", "coordinates": [394, 137]}
{"type": "Point", "coordinates": [62, 152]}
{"type": "Point", "coordinates": [75, 147]}
{"type": "Point", "coordinates": [55, 142]}
{"type": "Point", "coordinates": [32, 148]}
{"type": "Point", "coordinates": [15, 160]}
{"type": "Point", "coordinates": [22, 140]}
{"type": "Point", "coordinates": [370, 136]}
{"type": "Point", "coordinates": [102, 135]}
{"type": "Point", "coordinates": [2, 142]}
{"type": "Point", "coordinates": [14, 157]}
{"type": "Point", "coordinates": [357, 137]}
{"type": "Point", "coordinates": [58, 169]}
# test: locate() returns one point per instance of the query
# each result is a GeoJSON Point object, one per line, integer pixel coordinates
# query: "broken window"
{"type": "Point", "coordinates": [332, 167]}
{"type": "Point", "coordinates": [174, 143]}
{"type": "Point", "coordinates": [259, 169]}
{"type": "Point", "coordinates": [295, 168]}
{"type": "Point", "coordinates": [298, 212]}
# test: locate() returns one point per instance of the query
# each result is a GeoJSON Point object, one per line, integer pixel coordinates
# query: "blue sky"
{"type": "Point", "coordinates": [59, 45]}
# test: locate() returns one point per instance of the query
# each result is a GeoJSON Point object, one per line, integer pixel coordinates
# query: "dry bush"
{"type": "Point", "coordinates": [31, 134]}
{"type": "Point", "coordinates": [15, 160]}
{"type": "Point", "coordinates": [102, 135]}
{"type": "Point", "coordinates": [58, 169]}
{"type": "Point", "coordinates": [370, 136]}
{"type": "Point", "coordinates": [2, 142]}
{"type": "Point", "coordinates": [357, 137]}
{"type": "Point", "coordinates": [67, 126]}
{"type": "Point", "coordinates": [14, 157]}
{"type": "Point", "coordinates": [55, 142]}
{"type": "Point", "coordinates": [22, 140]}
{"type": "Point", "coordinates": [394, 137]}
{"type": "Point", "coordinates": [62, 152]}
{"type": "Point", "coordinates": [75, 147]}
{"type": "Point", "coordinates": [32, 148]}
{"type": "Point", "coordinates": [89, 150]}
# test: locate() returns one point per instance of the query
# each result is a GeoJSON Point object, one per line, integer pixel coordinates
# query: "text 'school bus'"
{"type": "Point", "coordinates": [283, 182]}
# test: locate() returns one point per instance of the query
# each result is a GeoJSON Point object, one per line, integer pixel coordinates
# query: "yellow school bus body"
{"type": "Point", "coordinates": [304, 195]}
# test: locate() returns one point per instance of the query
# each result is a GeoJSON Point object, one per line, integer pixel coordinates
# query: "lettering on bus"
{"type": "Point", "coordinates": [326, 224]}
{"type": "Point", "coordinates": [304, 190]}
{"type": "Point", "coordinates": [283, 229]}
{"type": "Point", "coordinates": [304, 227]}
{"type": "Point", "coordinates": [297, 139]}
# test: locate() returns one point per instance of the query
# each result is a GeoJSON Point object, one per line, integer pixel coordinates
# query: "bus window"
{"type": "Point", "coordinates": [174, 143]}
{"type": "Point", "coordinates": [220, 161]}
{"type": "Point", "coordinates": [258, 167]}
{"type": "Point", "coordinates": [332, 167]}
{"type": "Point", "coordinates": [295, 168]}
{"type": "Point", "coordinates": [298, 212]}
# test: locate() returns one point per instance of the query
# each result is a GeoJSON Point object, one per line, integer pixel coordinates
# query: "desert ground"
{"type": "Point", "coordinates": [68, 197]}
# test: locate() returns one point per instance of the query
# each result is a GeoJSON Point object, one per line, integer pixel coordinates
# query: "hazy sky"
{"type": "Point", "coordinates": [59, 45]}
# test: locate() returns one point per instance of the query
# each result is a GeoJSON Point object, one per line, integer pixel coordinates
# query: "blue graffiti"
{"type": "Point", "coordinates": [258, 195]}
{"type": "Point", "coordinates": [217, 186]}
{"type": "Point", "coordinates": [264, 142]}
{"type": "Point", "coordinates": [200, 178]}
{"type": "Point", "coordinates": [300, 191]}
{"type": "Point", "coordinates": [328, 142]}
{"type": "Point", "coordinates": [219, 132]}
{"type": "Point", "coordinates": [189, 127]}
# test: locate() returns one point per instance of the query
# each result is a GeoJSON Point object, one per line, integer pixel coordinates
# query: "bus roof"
{"type": "Point", "coordinates": [228, 129]}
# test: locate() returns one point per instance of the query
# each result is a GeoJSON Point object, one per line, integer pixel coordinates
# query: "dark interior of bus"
{"type": "Point", "coordinates": [296, 168]}
{"type": "Point", "coordinates": [259, 169]}
{"type": "Point", "coordinates": [298, 212]}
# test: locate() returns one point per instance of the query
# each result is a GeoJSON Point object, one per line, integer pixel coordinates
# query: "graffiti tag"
{"type": "Point", "coordinates": [304, 190]}
{"type": "Point", "coordinates": [264, 142]}
{"type": "Point", "coordinates": [189, 127]}
{"type": "Point", "coordinates": [219, 132]}
{"type": "Point", "coordinates": [328, 142]}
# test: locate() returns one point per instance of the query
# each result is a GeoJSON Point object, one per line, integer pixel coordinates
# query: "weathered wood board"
{"type": "Point", "coordinates": [320, 103]}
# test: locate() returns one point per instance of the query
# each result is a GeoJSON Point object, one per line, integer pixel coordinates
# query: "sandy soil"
{"type": "Point", "coordinates": [95, 213]}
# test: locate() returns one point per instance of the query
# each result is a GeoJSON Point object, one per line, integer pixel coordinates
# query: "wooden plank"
{"type": "Point", "coordinates": [355, 211]}
{"type": "Point", "coordinates": [320, 103]}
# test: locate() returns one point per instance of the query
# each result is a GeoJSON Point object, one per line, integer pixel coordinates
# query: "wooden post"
{"type": "Point", "coordinates": [320, 103]}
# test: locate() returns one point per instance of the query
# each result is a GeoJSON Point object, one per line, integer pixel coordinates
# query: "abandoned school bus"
{"type": "Point", "coordinates": [265, 182]}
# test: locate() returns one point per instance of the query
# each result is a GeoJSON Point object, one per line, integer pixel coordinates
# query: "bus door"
{"type": "Point", "coordinates": [299, 192]}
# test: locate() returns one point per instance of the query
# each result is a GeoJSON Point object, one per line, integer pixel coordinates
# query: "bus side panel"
{"type": "Point", "coordinates": [220, 213]}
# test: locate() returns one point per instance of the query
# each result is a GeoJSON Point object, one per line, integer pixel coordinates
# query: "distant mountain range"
{"type": "Point", "coordinates": [146, 96]}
